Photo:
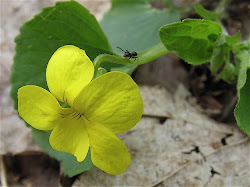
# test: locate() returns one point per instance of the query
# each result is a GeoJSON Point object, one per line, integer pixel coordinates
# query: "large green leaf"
{"type": "Point", "coordinates": [134, 25]}
{"type": "Point", "coordinates": [193, 40]}
{"type": "Point", "coordinates": [128, 2]}
{"type": "Point", "coordinates": [64, 23]}
{"type": "Point", "coordinates": [242, 110]}
{"type": "Point", "coordinates": [68, 161]}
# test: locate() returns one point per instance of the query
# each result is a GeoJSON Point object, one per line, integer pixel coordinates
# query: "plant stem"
{"type": "Point", "coordinates": [143, 57]}
{"type": "Point", "coordinates": [151, 54]}
{"type": "Point", "coordinates": [220, 9]}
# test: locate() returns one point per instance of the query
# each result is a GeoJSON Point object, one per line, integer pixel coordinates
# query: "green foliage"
{"type": "Point", "coordinates": [232, 40]}
{"type": "Point", "coordinates": [242, 59]}
{"type": "Point", "coordinates": [221, 60]}
{"type": "Point", "coordinates": [134, 25]}
{"type": "Point", "coordinates": [193, 40]}
{"type": "Point", "coordinates": [68, 162]}
{"type": "Point", "coordinates": [128, 2]}
{"type": "Point", "coordinates": [242, 110]}
{"type": "Point", "coordinates": [65, 23]}
{"type": "Point", "coordinates": [204, 13]}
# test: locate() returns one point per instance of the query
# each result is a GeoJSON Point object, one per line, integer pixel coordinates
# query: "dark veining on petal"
{"type": "Point", "coordinates": [80, 116]}
{"type": "Point", "coordinates": [65, 115]}
{"type": "Point", "coordinates": [65, 99]}
{"type": "Point", "coordinates": [74, 115]}
{"type": "Point", "coordinates": [63, 95]}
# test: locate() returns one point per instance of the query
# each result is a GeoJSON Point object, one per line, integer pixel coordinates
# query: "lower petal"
{"type": "Point", "coordinates": [71, 136]}
{"type": "Point", "coordinates": [108, 152]}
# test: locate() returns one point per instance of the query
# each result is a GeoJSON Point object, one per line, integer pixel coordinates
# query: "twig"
{"type": "Point", "coordinates": [228, 108]}
{"type": "Point", "coordinates": [3, 172]}
{"type": "Point", "coordinates": [220, 9]}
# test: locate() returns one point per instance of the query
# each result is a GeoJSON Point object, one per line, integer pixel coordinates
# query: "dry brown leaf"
{"type": "Point", "coordinates": [221, 168]}
{"type": "Point", "coordinates": [180, 151]}
{"type": "Point", "coordinates": [14, 136]}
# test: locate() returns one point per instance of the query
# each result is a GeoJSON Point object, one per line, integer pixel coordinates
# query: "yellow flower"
{"type": "Point", "coordinates": [100, 108]}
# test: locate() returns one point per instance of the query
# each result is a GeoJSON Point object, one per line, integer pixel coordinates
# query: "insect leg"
{"type": "Point", "coordinates": [120, 49]}
{"type": "Point", "coordinates": [135, 58]}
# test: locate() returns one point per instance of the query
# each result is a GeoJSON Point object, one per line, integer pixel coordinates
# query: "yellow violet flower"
{"type": "Point", "coordinates": [100, 108]}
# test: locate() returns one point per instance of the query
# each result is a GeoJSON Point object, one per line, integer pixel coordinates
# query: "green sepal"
{"type": "Point", "coordinates": [100, 72]}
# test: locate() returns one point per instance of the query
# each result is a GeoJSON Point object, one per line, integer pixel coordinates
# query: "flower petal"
{"type": "Point", "coordinates": [38, 107]}
{"type": "Point", "coordinates": [112, 100]}
{"type": "Point", "coordinates": [71, 136]}
{"type": "Point", "coordinates": [108, 152]}
{"type": "Point", "coordinates": [68, 71]}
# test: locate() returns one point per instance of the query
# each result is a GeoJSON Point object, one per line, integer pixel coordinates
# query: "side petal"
{"type": "Point", "coordinates": [71, 136]}
{"type": "Point", "coordinates": [38, 107]}
{"type": "Point", "coordinates": [112, 100]}
{"type": "Point", "coordinates": [68, 71]}
{"type": "Point", "coordinates": [108, 152]}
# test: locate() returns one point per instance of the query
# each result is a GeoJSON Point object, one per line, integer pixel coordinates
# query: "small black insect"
{"type": "Point", "coordinates": [128, 54]}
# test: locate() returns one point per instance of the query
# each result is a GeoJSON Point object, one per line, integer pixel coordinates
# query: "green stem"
{"type": "Point", "coordinates": [151, 54]}
{"type": "Point", "coordinates": [143, 57]}
{"type": "Point", "coordinates": [220, 9]}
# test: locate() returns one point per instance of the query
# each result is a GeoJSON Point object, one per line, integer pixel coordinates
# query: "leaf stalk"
{"type": "Point", "coordinates": [143, 57]}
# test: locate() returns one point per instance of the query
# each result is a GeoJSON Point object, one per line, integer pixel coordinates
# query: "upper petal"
{"type": "Point", "coordinates": [108, 152]}
{"type": "Point", "coordinates": [71, 136]}
{"type": "Point", "coordinates": [68, 71]}
{"type": "Point", "coordinates": [38, 107]}
{"type": "Point", "coordinates": [112, 100]}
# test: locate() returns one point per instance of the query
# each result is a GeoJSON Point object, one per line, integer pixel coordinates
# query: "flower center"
{"type": "Point", "coordinates": [71, 113]}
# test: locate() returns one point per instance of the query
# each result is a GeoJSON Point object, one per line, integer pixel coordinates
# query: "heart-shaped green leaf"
{"type": "Point", "coordinates": [193, 40]}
